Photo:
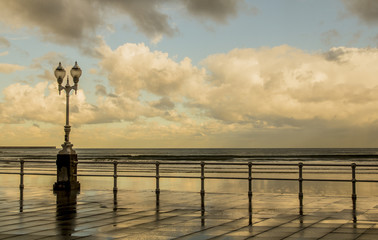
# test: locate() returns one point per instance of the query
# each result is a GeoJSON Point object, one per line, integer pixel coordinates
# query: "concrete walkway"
{"type": "Point", "coordinates": [178, 215]}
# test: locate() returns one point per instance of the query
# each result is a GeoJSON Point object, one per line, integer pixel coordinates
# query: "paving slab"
{"type": "Point", "coordinates": [94, 214]}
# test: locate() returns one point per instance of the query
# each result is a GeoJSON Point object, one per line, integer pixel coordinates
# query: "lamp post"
{"type": "Point", "coordinates": [67, 158]}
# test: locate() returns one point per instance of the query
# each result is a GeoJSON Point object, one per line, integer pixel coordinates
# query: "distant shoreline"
{"type": "Point", "coordinates": [28, 147]}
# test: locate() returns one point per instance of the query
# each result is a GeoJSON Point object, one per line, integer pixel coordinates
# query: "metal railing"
{"type": "Point", "coordinates": [249, 168]}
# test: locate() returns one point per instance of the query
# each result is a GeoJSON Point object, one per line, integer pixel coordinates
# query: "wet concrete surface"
{"type": "Point", "coordinates": [91, 214]}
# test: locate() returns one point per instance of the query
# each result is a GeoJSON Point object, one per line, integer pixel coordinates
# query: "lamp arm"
{"type": "Point", "coordinates": [60, 88]}
{"type": "Point", "coordinates": [74, 87]}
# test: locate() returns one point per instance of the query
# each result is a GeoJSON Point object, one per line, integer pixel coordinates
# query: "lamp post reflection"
{"type": "Point", "coordinates": [66, 212]}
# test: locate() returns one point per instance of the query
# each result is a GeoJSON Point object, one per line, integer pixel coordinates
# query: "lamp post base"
{"type": "Point", "coordinates": [66, 172]}
{"type": "Point", "coordinates": [66, 186]}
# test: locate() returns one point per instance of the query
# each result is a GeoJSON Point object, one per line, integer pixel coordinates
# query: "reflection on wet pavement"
{"type": "Point", "coordinates": [130, 214]}
{"type": "Point", "coordinates": [66, 212]}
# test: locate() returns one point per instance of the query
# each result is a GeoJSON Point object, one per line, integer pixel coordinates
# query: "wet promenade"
{"type": "Point", "coordinates": [182, 215]}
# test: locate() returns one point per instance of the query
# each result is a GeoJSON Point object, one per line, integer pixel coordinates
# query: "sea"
{"type": "Point", "coordinates": [326, 155]}
{"type": "Point", "coordinates": [137, 166]}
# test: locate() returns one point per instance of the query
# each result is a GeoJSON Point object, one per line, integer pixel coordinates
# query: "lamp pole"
{"type": "Point", "coordinates": [67, 157]}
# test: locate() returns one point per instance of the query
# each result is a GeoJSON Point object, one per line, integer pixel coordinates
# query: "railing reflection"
{"type": "Point", "coordinates": [354, 214]}
{"type": "Point", "coordinates": [21, 200]}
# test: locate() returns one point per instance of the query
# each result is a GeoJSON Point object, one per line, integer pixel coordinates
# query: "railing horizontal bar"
{"type": "Point", "coordinates": [284, 179]}
{"type": "Point", "coordinates": [236, 178]}
{"type": "Point", "coordinates": [326, 165]}
{"type": "Point", "coordinates": [227, 163]}
{"type": "Point", "coordinates": [97, 162]}
{"type": "Point", "coordinates": [180, 163]}
{"type": "Point", "coordinates": [326, 180]}
{"type": "Point", "coordinates": [146, 176]}
{"type": "Point", "coordinates": [272, 164]}
{"type": "Point", "coordinates": [35, 161]}
{"type": "Point", "coordinates": [18, 173]}
{"type": "Point", "coordinates": [366, 180]}
{"type": "Point", "coordinates": [193, 177]}
{"type": "Point", "coordinates": [45, 174]}
{"type": "Point", "coordinates": [93, 175]}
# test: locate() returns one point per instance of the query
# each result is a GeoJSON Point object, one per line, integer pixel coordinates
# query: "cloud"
{"type": "Point", "coordinates": [77, 23]}
{"type": "Point", "coordinates": [101, 90]}
{"type": "Point", "coordinates": [218, 11]}
{"type": "Point", "coordinates": [147, 16]}
{"type": "Point", "coordinates": [366, 10]}
{"type": "Point", "coordinates": [24, 102]}
{"type": "Point", "coordinates": [276, 87]}
{"type": "Point", "coordinates": [9, 68]}
{"type": "Point", "coordinates": [48, 61]}
{"type": "Point", "coordinates": [242, 94]}
{"type": "Point", "coordinates": [329, 37]}
{"type": "Point", "coordinates": [164, 103]}
{"type": "Point", "coordinates": [60, 21]}
{"type": "Point", "coordinates": [4, 43]}
{"type": "Point", "coordinates": [132, 68]}
{"type": "Point", "coordinates": [286, 87]}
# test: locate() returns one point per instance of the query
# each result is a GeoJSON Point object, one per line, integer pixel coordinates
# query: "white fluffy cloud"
{"type": "Point", "coordinates": [238, 93]}
{"type": "Point", "coordinates": [268, 87]}
{"type": "Point", "coordinates": [132, 68]}
{"type": "Point", "coordinates": [283, 84]}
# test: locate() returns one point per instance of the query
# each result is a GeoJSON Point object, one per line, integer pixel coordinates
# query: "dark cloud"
{"type": "Point", "coordinates": [60, 21]}
{"type": "Point", "coordinates": [76, 22]}
{"type": "Point", "coordinates": [100, 90]}
{"type": "Point", "coordinates": [4, 43]}
{"type": "Point", "coordinates": [336, 54]}
{"type": "Point", "coordinates": [146, 15]}
{"type": "Point", "coordinates": [329, 37]}
{"type": "Point", "coordinates": [216, 10]}
{"type": "Point", "coordinates": [49, 61]}
{"type": "Point", "coordinates": [164, 104]}
{"type": "Point", "coordinates": [366, 10]}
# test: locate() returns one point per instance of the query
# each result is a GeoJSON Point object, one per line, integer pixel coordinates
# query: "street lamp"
{"type": "Point", "coordinates": [60, 74]}
{"type": "Point", "coordinates": [67, 157]}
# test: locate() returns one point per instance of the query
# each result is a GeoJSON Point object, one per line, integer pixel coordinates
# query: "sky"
{"type": "Point", "coordinates": [191, 73]}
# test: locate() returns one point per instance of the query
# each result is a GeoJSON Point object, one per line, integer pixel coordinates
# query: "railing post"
{"type": "Point", "coordinates": [22, 161]}
{"type": "Point", "coordinates": [354, 195]}
{"type": "Point", "coordinates": [202, 194]}
{"type": "Point", "coordinates": [249, 179]}
{"type": "Point", "coordinates": [202, 178]}
{"type": "Point", "coordinates": [22, 185]}
{"type": "Point", "coordinates": [115, 175]}
{"type": "Point", "coordinates": [157, 190]}
{"type": "Point", "coordinates": [300, 181]}
{"type": "Point", "coordinates": [250, 192]}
